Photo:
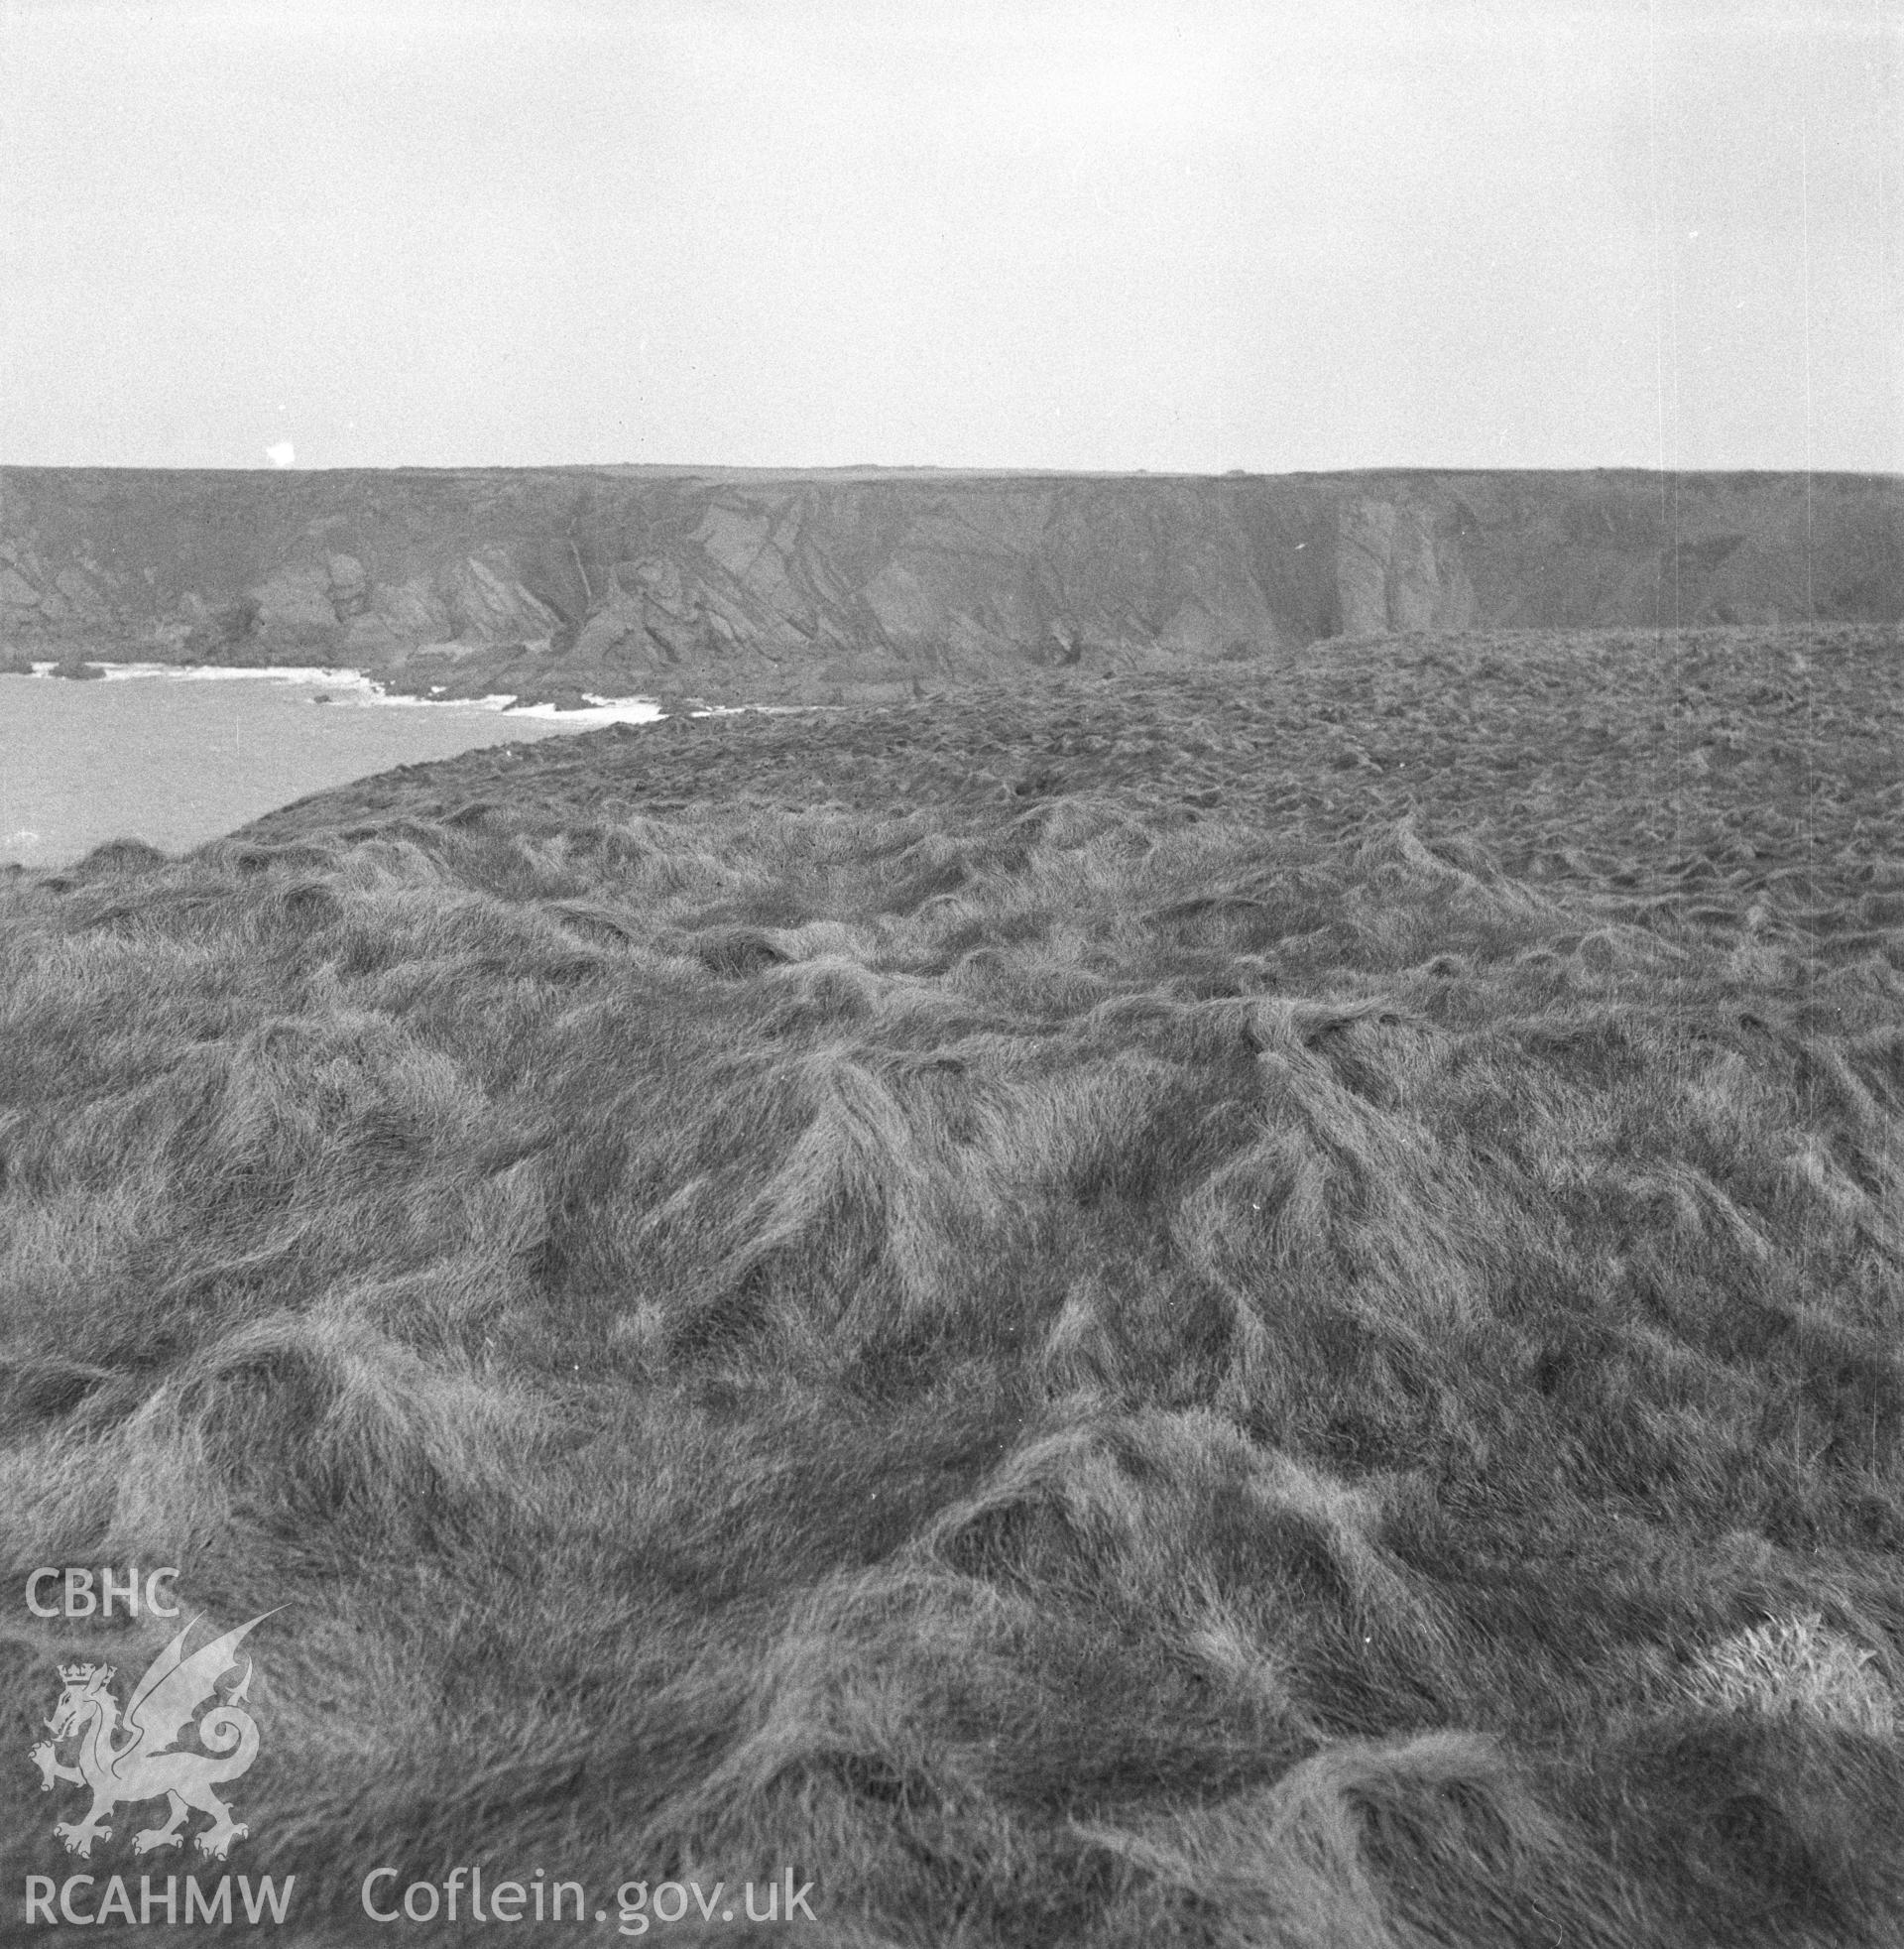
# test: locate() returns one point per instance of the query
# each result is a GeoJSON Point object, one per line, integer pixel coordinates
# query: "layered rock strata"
{"type": "Point", "coordinates": [813, 586]}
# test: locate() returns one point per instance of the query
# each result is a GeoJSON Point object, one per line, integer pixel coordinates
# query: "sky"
{"type": "Point", "coordinates": [1181, 235]}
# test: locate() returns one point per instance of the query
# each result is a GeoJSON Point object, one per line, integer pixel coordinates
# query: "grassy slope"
{"type": "Point", "coordinates": [1260, 1310]}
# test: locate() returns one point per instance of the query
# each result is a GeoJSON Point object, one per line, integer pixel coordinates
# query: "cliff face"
{"type": "Point", "coordinates": [550, 582]}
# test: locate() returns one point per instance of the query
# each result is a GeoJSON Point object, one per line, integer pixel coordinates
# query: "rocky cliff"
{"type": "Point", "coordinates": [808, 586]}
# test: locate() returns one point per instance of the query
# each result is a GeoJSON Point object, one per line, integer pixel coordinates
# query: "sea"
{"type": "Point", "coordinates": [176, 757]}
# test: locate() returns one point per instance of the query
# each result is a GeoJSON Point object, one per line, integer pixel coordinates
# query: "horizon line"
{"type": "Point", "coordinates": [699, 468]}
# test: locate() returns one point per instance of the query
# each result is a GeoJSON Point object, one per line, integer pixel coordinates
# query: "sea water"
{"type": "Point", "coordinates": [176, 757]}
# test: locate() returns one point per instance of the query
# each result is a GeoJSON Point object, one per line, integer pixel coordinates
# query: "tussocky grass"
{"type": "Point", "coordinates": [1218, 1335]}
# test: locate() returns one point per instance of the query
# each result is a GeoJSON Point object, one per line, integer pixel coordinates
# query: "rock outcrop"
{"type": "Point", "coordinates": [764, 585]}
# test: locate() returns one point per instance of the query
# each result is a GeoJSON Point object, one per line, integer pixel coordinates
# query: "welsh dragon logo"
{"type": "Point", "coordinates": [142, 1760]}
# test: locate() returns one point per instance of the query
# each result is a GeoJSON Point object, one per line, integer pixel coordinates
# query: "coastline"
{"type": "Point", "coordinates": [197, 724]}
{"type": "Point", "coordinates": [355, 684]}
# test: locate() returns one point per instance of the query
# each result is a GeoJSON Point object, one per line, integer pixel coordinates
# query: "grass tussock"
{"type": "Point", "coordinates": [1158, 1316]}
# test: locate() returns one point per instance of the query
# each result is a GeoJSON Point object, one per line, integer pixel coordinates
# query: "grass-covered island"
{"type": "Point", "coordinates": [1260, 1306]}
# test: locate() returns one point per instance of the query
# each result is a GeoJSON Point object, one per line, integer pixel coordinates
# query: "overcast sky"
{"type": "Point", "coordinates": [1174, 234]}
